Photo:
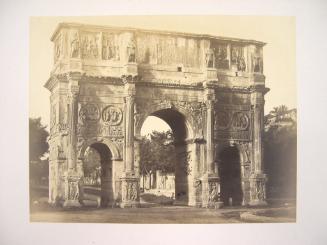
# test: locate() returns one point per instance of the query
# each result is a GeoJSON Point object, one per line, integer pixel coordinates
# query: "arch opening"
{"type": "Point", "coordinates": [230, 176]}
{"type": "Point", "coordinates": [97, 166]}
{"type": "Point", "coordinates": [170, 181]}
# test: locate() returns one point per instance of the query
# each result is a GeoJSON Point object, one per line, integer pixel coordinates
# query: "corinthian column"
{"type": "Point", "coordinates": [129, 133]}
{"type": "Point", "coordinates": [258, 178]}
{"type": "Point", "coordinates": [74, 90]}
{"type": "Point", "coordinates": [257, 135]}
{"type": "Point", "coordinates": [130, 180]}
{"type": "Point", "coordinates": [210, 180]}
{"type": "Point", "coordinates": [73, 185]}
{"type": "Point", "coordinates": [209, 136]}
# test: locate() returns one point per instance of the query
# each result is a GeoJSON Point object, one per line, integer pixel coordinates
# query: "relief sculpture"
{"type": "Point", "coordinates": [222, 61]}
{"type": "Point", "coordinates": [240, 121]}
{"type": "Point", "coordinates": [112, 115]}
{"type": "Point", "coordinates": [131, 51]}
{"type": "Point", "coordinates": [110, 48]}
{"type": "Point", "coordinates": [89, 112]}
{"type": "Point", "coordinates": [74, 46]}
{"type": "Point", "coordinates": [90, 46]}
{"type": "Point", "coordinates": [213, 192]}
{"type": "Point", "coordinates": [237, 58]}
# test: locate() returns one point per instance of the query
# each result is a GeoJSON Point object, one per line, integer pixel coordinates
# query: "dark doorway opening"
{"type": "Point", "coordinates": [230, 177]}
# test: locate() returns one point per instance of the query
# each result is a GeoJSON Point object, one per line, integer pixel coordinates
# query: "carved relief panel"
{"type": "Point", "coordinates": [100, 120]}
{"type": "Point", "coordinates": [237, 57]}
{"type": "Point", "coordinates": [90, 45]}
{"type": "Point", "coordinates": [110, 46]}
{"type": "Point", "coordinates": [221, 54]}
{"type": "Point", "coordinates": [233, 122]}
{"type": "Point", "coordinates": [130, 191]}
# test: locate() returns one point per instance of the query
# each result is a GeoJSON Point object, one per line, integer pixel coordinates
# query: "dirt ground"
{"type": "Point", "coordinates": [164, 215]}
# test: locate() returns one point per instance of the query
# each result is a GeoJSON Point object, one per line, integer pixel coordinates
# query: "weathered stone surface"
{"type": "Point", "coordinates": [106, 81]}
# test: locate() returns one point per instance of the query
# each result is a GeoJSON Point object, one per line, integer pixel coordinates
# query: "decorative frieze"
{"type": "Point", "coordinates": [90, 43]}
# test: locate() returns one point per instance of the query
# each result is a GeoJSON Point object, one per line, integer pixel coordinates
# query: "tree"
{"type": "Point", "coordinates": [38, 146]}
{"type": "Point", "coordinates": [280, 150]}
{"type": "Point", "coordinates": [38, 139]}
{"type": "Point", "coordinates": [158, 152]}
{"type": "Point", "coordinates": [279, 112]}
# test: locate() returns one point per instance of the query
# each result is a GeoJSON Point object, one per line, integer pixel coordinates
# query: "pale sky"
{"type": "Point", "coordinates": [277, 32]}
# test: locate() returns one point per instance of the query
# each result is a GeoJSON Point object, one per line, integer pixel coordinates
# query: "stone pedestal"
{"type": "Point", "coordinates": [130, 69]}
{"type": "Point", "coordinates": [210, 74]}
{"type": "Point", "coordinates": [73, 191]}
{"type": "Point", "coordinates": [211, 192]}
{"type": "Point", "coordinates": [130, 191]}
{"type": "Point", "coordinates": [258, 189]}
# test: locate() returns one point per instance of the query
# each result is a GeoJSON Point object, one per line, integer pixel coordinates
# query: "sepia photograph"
{"type": "Point", "coordinates": [163, 122]}
{"type": "Point", "coordinates": [162, 119]}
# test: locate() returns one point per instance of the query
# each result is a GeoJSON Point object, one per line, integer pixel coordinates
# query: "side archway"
{"type": "Point", "coordinates": [116, 154]}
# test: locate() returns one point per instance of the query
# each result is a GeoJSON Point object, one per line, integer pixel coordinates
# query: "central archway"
{"type": "Point", "coordinates": [178, 125]}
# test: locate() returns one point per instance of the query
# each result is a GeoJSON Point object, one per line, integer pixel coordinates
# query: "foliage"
{"type": "Point", "coordinates": [37, 139]}
{"type": "Point", "coordinates": [280, 149]}
{"type": "Point", "coordinates": [279, 112]}
{"type": "Point", "coordinates": [38, 147]}
{"type": "Point", "coordinates": [157, 152]}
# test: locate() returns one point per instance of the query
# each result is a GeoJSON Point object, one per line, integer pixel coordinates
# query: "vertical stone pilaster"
{"type": "Point", "coordinates": [129, 133]}
{"type": "Point", "coordinates": [210, 179]}
{"type": "Point", "coordinates": [130, 180]}
{"type": "Point", "coordinates": [258, 178]}
{"type": "Point", "coordinates": [73, 183]}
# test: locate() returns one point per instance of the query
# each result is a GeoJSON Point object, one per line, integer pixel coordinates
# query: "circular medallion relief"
{"type": "Point", "coordinates": [240, 121]}
{"type": "Point", "coordinates": [112, 115]}
{"type": "Point", "coordinates": [89, 112]}
{"type": "Point", "coordinates": [222, 120]}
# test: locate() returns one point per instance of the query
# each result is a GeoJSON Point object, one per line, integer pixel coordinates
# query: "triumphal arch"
{"type": "Point", "coordinates": [106, 81]}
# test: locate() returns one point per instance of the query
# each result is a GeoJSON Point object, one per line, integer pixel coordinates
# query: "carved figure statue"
{"type": "Point", "coordinates": [247, 152]}
{"type": "Point", "coordinates": [74, 47]}
{"type": "Point", "coordinates": [209, 58]}
{"type": "Point", "coordinates": [131, 51]}
{"type": "Point", "coordinates": [73, 191]}
{"type": "Point", "coordinates": [213, 193]}
{"type": "Point", "coordinates": [241, 64]}
{"type": "Point", "coordinates": [133, 192]}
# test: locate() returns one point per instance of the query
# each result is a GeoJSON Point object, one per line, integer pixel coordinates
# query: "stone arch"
{"type": "Point", "coordinates": [245, 154]}
{"type": "Point", "coordinates": [116, 155]}
{"type": "Point", "coordinates": [141, 117]}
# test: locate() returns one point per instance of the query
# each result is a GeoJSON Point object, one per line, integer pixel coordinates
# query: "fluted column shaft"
{"type": "Point", "coordinates": [129, 133]}
{"type": "Point", "coordinates": [209, 136]}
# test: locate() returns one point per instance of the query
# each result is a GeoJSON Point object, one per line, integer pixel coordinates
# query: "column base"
{"type": "Point", "coordinates": [255, 203]}
{"type": "Point", "coordinates": [129, 205]}
{"type": "Point", "coordinates": [215, 205]}
{"type": "Point", "coordinates": [130, 191]}
{"type": "Point", "coordinates": [72, 204]}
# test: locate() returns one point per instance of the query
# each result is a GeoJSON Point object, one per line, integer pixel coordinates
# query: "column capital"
{"type": "Point", "coordinates": [130, 79]}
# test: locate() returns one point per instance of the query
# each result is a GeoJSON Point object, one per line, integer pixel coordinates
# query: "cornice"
{"type": "Point", "coordinates": [88, 27]}
{"type": "Point", "coordinates": [170, 84]}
